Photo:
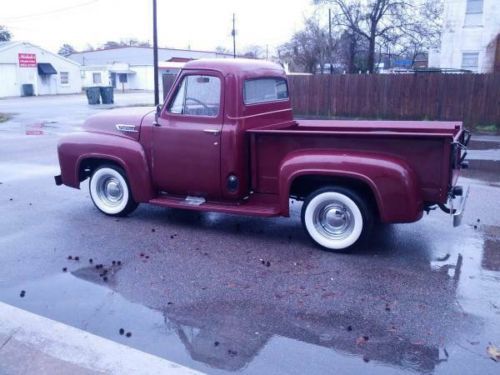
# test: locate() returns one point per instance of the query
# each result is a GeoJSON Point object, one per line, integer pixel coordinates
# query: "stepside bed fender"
{"type": "Point", "coordinates": [392, 181]}
{"type": "Point", "coordinates": [129, 154]}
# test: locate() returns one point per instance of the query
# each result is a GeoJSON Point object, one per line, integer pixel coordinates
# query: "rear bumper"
{"type": "Point", "coordinates": [457, 205]}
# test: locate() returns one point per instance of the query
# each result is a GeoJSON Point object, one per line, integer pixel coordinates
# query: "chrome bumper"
{"type": "Point", "coordinates": [457, 206]}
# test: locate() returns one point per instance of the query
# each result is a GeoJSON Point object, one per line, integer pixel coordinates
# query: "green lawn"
{"type": "Point", "coordinates": [492, 129]}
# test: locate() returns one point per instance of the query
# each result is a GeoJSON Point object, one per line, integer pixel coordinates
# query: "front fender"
{"type": "Point", "coordinates": [129, 154]}
{"type": "Point", "coordinates": [392, 181]}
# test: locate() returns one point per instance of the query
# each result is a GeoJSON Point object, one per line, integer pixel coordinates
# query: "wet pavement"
{"type": "Point", "coordinates": [196, 288]}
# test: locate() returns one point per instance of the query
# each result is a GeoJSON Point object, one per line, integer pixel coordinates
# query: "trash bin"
{"type": "Point", "coordinates": [27, 89]}
{"type": "Point", "coordinates": [93, 95]}
{"type": "Point", "coordinates": [107, 95]}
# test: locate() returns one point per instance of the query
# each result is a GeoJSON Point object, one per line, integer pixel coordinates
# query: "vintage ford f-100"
{"type": "Point", "coordinates": [225, 140]}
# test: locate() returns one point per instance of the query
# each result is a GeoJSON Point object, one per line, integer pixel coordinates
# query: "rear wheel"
{"type": "Point", "coordinates": [110, 191]}
{"type": "Point", "coordinates": [336, 218]}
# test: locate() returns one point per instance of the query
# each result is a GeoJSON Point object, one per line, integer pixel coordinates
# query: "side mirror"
{"type": "Point", "coordinates": [157, 115]}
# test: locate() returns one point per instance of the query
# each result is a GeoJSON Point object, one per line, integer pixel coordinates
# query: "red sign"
{"type": "Point", "coordinates": [27, 60]}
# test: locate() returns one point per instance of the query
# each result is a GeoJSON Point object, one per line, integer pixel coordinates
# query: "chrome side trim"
{"type": "Point", "coordinates": [260, 114]}
{"type": "Point", "coordinates": [126, 128]}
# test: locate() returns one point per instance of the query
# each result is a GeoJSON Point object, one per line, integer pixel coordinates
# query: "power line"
{"type": "Point", "coordinates": [49, 12]}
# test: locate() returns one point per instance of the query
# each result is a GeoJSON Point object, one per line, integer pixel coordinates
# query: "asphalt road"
{"type": "Point", "coordinates": [192, 288]}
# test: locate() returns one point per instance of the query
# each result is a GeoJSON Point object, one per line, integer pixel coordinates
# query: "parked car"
{"type": "Point", "coordinates": [225, 140]}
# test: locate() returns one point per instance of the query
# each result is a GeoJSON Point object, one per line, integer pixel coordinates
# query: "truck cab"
{"type": "Point", "coordinates": [203, 124]}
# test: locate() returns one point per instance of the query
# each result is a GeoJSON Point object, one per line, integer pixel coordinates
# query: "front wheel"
{"type": "Point", "coordinates": [110, 191]}
{"type": "Point", "coordinates": [336, 218]}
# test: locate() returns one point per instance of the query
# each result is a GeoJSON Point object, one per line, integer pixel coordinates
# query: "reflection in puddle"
{"type": "Point", "coordinates": [230, 335]}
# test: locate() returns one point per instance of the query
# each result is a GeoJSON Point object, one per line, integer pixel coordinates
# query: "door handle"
{"type": "Point", "coordinates": [212, 131]}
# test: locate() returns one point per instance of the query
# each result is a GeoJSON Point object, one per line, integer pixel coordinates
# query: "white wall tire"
{"type": "Point", "coordinates": [110, 191]}
{"type": "Point", "coordinates": [336, 218]}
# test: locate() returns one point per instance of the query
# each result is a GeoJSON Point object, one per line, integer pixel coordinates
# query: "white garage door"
{"type": "Point", "coordinates": [8, 80]}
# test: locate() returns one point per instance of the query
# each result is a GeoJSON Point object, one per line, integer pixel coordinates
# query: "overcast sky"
{"type": "Point", "coordinates": [200, 24]}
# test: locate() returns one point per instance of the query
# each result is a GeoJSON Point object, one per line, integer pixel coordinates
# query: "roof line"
{"type": "Point", "coordinates": [160, 48]}
{"type": "Point", "coordinates": [8, 44]}
{"type": "Point", "coordinates": [15, 43]}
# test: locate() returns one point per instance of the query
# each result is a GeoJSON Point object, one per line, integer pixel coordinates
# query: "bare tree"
{"type": "Point", "coordinates": [5, 34]}
{"type": "Point", "coordinates": [129, 42]}
{"type": "Point", "coordinates": [111, 44]}
{"type": "Point", "coordinates": [374, 20]}
{"type": "Point", "coordinates": [308, 48]}
{"type": "Point", "coordinates": [424, 32]}
{"type": "Point", "coordinates": [351, 52]}
{"type": "Point", "coordinates": [222, 50]}
{"type": "Point", "coordinates": [132, 42]}
{"type": "Point", "coordinates": [254, 52]}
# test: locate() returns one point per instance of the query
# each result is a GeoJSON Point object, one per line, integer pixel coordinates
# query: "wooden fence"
{"type": "Point", "coordinates": [471, 98]}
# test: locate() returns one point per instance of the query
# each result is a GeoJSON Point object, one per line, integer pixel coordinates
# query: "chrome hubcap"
{"type": "Point", "coordinates": [334, 220]}
{"type": "Point", "coordinates": [110, 190]}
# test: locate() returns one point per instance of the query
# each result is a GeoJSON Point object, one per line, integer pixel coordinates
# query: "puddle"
{"type": "Point", "coordinates": [216, 336]}
{"type": "Point", "coordinates": [99, 310]}
{"type": "Point", "coordinates": [38, 128]}
{"type": "Point", "coordinates": [34, 132]}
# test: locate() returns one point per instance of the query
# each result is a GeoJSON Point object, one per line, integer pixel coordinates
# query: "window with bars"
{"type": "Point", "coordinates": [470, 61]}
{"type": "Point", "coordinates": [64, 78]}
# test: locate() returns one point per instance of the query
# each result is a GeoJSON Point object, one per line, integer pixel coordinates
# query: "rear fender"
{"type": "Point", "coordinates": [392, 181]}
{"type": "Point", "coordinates": [129, 154]}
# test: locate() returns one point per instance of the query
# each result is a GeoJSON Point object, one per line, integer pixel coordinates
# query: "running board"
{"type": "Point", "coordinates": [257, 205]}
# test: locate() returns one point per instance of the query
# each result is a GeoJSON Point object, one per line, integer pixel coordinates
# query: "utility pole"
{"type": "Point", "coordinates": [233, 33]}
{"type": "Point", "coordinates": [330, 40]}
{"type": "Point", "coordinates": [155, 54]}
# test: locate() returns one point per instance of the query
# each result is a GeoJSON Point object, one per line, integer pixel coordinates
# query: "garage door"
{"type": "Point", "coordinates": [8, 79]}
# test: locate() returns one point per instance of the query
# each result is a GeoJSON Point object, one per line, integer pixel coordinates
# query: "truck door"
{"type": "Point", "coordinates": [186, 141]}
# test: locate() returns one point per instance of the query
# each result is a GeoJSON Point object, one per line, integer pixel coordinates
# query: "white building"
{"type": "Point", "coordinates": [470, 36]}
{"type": "Point", "coordinates": [23, 63]}
{"type": "Point", "coordinates": [131, 68]}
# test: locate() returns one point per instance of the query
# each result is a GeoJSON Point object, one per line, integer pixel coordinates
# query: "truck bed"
{"type": "Point", "coordinates": [433, 128]}
{"type": "Point", "coordinates": [424, 146]}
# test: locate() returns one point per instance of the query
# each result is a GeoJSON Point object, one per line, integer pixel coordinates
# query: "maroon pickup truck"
{"type": "Point", "coordinates": [225, 140]}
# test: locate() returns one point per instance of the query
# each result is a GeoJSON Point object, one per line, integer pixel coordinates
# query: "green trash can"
{"type": "Point", "coordinates": [27, 89]}
{"type": "Point", "coordinates": [107, 95]}
{"type": "Point", "coordinates": [93, 95]}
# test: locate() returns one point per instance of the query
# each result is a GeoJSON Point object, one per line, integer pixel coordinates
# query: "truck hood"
{"type": "Point", "coordinates": [124, 122]}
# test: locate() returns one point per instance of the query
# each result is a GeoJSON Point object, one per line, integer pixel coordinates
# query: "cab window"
{"type": "Point", "coordinates": [197, 95]}
{"type": "Point", "coordinates": [264, 90]}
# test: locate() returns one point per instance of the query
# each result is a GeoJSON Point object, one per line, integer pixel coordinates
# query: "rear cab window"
{"type": "Point", "coordinates": [265, 90]}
